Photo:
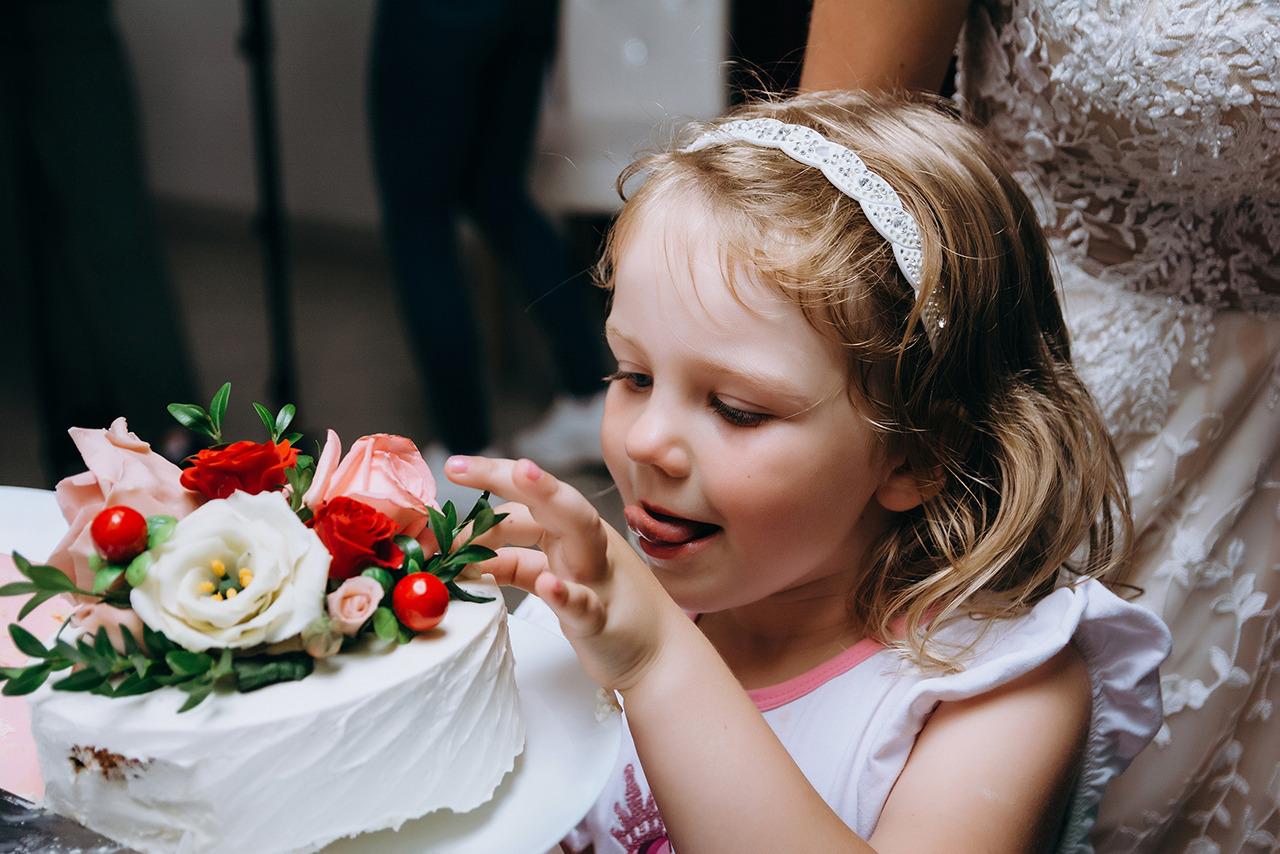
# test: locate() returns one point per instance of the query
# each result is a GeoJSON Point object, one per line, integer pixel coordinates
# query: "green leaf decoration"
{"type": "Point", "coordinates": [44, 582]}
{"type": "Point", "coordinates": [186, 663]}
{"type": "Point", "coordinates": [83, 680]}
{"type": "Point", "coordinates": [159, 529]}
{"type": "Point", "coordinates": [156, 643]}
{"type": "Point", "coordinates": [134, 684]}
{"type": "Point", "coordinates": [136, 572]}
{"type": "Point", "coordinates": [25, 680]}
{"type": "Point", "coordinates": [483, 521]}
{"type": "Point", "coordinates": [130, 642]}
{"type": "Point", "coordinates": [33, 603]}
{"type": "Point", "coordinates": [268, 420]}
{"type": "Point", "coordinates": [197, 690]}
{"type": "Point", "coordinates": [223, 667]}
{"type": "Point", "coordinates": [18, 588]}
{"type": "Point", "coordinates": [481, 505]}
{"type": "Point", "coordinates": [414, 559]}
{"type": "Point", "coordinates": [103, 580]}
{"type": "Point", "coordinates": [443, 525]}
{"type": "Point", "coordinates": [86, 654]}
{"type": "Point", "coordinates": [299, 478]}
{"type": "Point", "coordinates": [385, 624]}
{"type": "Point", "coordinates": [383, 577]}
{"type": "Point", "coordinates": [195, 419]}
{"type": "Point", "coordinates": [46, 577]}
{"type": "Point", "coordinates": [218, 407]}
{"type": "Point", "coordinates": [456, 592]}
{"type": "Point", "coordinates": [471, 554]}
{"type": "Point", "coordinates": [283, 419]}
{"type": "Point", "coordinates": [27, 643]}
{"type": "Point", "coordinates": [103, 647]}
{"type": "Point", "coordinates": [261, 671]}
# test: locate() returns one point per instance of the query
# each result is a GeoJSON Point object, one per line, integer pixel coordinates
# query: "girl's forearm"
{"type": "Point", "coordinates": [719, 775]}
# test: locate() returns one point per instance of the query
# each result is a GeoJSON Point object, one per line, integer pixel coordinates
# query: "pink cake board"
{"type": "Point", "coordinates": [19, 772]}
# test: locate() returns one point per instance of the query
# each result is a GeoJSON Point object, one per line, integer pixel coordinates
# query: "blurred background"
{"type": "Point", "coordinates": [623, 71]}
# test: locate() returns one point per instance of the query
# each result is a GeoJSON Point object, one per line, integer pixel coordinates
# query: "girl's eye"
{"type": "Point", "coordinates": [632, 379]}
{"type": "Point", "coordinates": [735, 416]}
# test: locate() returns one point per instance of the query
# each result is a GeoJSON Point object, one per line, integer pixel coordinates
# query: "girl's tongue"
{"type": "Point", "coordinates": [665, 530]}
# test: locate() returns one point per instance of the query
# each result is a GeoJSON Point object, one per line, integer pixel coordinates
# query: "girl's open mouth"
{"type": "Point", "coordinates": [664, 536]}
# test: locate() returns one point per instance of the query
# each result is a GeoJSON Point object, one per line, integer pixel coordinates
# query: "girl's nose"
{"type": "Point", "coordinates": [654, 439]}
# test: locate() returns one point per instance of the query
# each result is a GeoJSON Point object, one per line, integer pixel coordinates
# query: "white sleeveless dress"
{"type": "Point", "coordinates": [850, 723]}
{"type": "Point", "coordinates": [1149, 132]}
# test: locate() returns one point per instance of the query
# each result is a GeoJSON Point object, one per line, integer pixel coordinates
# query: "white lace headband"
{"type": "Point", "coordinates": [846, 171]}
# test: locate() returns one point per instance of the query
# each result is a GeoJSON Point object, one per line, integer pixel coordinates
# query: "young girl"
{"type": "Point", "coordinates": [873, 497]}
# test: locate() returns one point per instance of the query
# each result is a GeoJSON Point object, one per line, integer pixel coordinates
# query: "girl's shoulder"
{"type": "Point", "coordinates": [1118, 644]}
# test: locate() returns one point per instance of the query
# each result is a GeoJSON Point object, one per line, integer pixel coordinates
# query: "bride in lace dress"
{"type": "Point", "coordinates": [1149, 131]}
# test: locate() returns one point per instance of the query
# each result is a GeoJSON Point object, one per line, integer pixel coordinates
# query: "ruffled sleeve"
{"type": "Point", "coordinates": [1122, 645]}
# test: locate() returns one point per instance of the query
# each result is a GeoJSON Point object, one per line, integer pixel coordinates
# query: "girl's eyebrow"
{"type": "Point", "coordinates": [774, 385]}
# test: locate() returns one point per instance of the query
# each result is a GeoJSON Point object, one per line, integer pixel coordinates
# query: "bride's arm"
{"type": "Point", "coordinates": [881, 44]}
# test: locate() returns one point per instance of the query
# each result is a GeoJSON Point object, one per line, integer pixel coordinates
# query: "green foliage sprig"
{"type": "Point", "coordinates": [209, 422]}
{"type": "Point", "coordinates": [44, 582]}
{"type": "Point", "coordinates": [155, 663]}
{"type": "Point", "coordinates": [445, 564]}
{"type": "Point", "coordinates": [197, 419]}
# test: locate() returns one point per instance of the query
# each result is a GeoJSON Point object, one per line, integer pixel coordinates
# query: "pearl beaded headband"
{"type": "Point", "coordinates": [846, 171]}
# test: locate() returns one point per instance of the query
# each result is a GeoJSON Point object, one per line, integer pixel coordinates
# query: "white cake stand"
{"type": "Point", "coordinates": [567, 758]}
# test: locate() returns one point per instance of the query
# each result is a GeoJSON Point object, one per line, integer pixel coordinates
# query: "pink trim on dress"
{"type": "Point", "coordinates": [774, 696]}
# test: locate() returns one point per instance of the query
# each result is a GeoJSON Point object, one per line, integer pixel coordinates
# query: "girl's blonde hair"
{"type": "Point", "coordinates": [992, 416]}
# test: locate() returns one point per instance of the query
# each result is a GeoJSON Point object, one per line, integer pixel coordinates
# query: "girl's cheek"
{"type": "Point", "coordinates": [613, 443]}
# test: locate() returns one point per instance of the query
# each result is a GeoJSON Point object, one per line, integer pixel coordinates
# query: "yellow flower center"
{"type": "Point", "coordinates": [222, 585]}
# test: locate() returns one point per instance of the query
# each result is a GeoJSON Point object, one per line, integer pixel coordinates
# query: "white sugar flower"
{"type": "Point", "coordinates": [237, 572]}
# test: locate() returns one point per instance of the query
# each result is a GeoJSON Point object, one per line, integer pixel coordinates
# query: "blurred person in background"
{"type": "Point", "coordinates": [86, 294]}
{"type": "Point", "coordinates": [455, 89]}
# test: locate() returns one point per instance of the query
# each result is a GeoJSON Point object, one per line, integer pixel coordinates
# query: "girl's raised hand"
{"type": "Point", "coordinates": [554, 544]}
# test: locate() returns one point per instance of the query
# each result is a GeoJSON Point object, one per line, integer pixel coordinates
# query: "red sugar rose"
{"type": "Point", "coordinates": [251, 467]}
{"type": "Point", "coordinates": [356, 535]}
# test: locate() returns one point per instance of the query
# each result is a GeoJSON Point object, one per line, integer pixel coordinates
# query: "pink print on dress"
{"type": "Point", "coordinates": [639, 829]}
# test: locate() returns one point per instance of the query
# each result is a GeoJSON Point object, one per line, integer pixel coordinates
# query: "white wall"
{"type": "Point", "coordinates": [626, 69]}
{"type": "Point", "coordinates": [625, 66]}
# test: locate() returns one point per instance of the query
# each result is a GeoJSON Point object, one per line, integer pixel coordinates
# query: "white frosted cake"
{"type": "Point", "coordinates": [371, 739]}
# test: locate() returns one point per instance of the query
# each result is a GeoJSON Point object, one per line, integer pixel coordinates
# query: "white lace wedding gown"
{"type": "Point", "coordinates": [1149, 131]}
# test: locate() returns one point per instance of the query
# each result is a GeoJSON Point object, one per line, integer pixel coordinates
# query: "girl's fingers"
{"type": "Point", "coordinates": [518, 529]}
{"type": "Point", "coordinates": [556, 517]}
{"type": "Point", "coordinates": [577, 606]}
{"type": "Point", "coordinates": [555, 504]}
{"type": "Point", "coordinates": [515, 567]}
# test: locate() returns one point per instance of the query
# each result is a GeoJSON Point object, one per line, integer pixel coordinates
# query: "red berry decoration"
{"type": "Point", "coordinates": [419, 601]}
{"type": "Point", "coordinates": [119, 533]}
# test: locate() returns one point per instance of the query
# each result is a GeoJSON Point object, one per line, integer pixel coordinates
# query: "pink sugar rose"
{"type": "Point", "coordinates": [92, 616]}
{"type": "Point", "coordinates": [387, 473]}
{"type": "Point", "coordinates": [122, 470]}
{"type": "Point", "coordinates": [353, 603]}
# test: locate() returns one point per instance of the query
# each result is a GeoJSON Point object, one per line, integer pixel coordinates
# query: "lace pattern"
{"type": "Point", "coordinates": [1151, 127]}
{"type": "Point", "coordinates": [1148, 133]}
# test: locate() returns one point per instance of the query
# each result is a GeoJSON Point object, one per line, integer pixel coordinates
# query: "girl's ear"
{"type": "Point", "coordinates": [904, 489]}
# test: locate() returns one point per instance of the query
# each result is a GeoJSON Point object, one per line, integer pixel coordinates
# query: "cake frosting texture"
{"type": "Point", "coordinates": [374, 737]}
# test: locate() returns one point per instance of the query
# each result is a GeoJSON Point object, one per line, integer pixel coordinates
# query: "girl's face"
{"type": "Point", "coordinates": [746, 470]}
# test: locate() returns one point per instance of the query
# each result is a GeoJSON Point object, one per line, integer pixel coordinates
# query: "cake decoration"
{"type": "Point", "coordinates": [244, 567]}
